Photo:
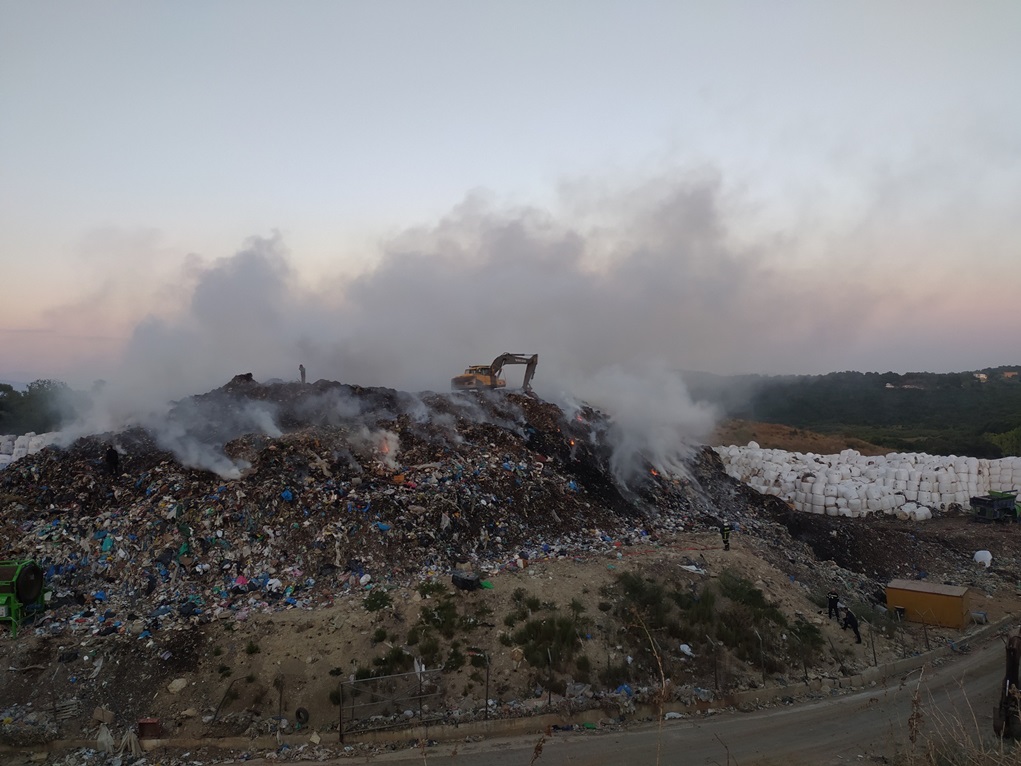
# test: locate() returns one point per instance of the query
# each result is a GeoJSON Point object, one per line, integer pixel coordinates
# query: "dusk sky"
{"type": "Point", "coordinates": [389, 191]}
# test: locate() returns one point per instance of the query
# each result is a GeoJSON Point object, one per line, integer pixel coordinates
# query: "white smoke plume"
{"type": "Point", "coordinates": [615, 296]}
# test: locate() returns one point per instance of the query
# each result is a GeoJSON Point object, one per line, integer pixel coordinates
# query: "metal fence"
{"type": "Point", "coordinates": [384, 702]}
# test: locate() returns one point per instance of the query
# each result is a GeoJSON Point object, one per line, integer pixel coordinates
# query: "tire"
{"type": "Point", "coordinates": [301, 716]}
{"type": "Point", "coordinates": [29, 585]}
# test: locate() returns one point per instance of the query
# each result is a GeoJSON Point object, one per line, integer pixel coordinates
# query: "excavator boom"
{"type": "Point", "coordinates": [480, 376]}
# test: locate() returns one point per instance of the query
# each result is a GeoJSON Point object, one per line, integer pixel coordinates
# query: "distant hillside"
{"type": "Point", "coordinates": [774, 436]}
{"type": "Point", "coordinates": [975, 413]}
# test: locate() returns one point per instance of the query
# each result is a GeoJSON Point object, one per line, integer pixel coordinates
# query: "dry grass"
{"type": "Point", "coordinates": [953, 738]}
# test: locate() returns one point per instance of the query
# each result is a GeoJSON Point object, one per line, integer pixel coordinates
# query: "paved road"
{"type": "Point", "coordinates": [838, 730]}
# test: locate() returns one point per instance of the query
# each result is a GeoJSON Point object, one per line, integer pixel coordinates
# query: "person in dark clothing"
{"type": "Point", "coordinates": [725, 534]}
{"type": "Point", "coordinates": [113, 460]}
{"type": "Point", "coordinates": [850, 621]}
{"type": "Point", "coordinates": [832, 599]}
{"type": "Point", "coordinates": [301, 370]}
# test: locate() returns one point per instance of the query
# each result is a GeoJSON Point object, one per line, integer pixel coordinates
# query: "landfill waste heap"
{"type": "Point", "coordinates": [299, 495]}
{"type": "Point", "coordinates": [313, 482]}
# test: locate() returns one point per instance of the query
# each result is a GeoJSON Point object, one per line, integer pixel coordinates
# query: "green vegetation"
{"type": "Point", "coordinates": [376, 600]}
{"type": "Point", "coordinates": [942, 414]}
{"type": "Point", "coordinates": [427, 589]}
{"type": "Point", "coordinates": [42, 407]}
{"type": "Point", "coordinates": [550, 640]}
{"type": "Point", "coordinates": [728, 615]}
{"type": "Point", "coordinates": [252, 648]}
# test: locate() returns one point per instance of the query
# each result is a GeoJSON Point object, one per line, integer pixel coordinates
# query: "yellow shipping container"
{"type": "Point", "coordinates": [919, 601]}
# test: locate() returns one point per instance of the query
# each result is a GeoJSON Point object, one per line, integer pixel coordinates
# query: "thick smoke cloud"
{"type": "Point", "coordinates": [615, 298]}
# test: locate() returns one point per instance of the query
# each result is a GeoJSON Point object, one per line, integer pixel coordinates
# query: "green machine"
{"type": "Point", "coordinates": [996, 506]}
{"type": "Point", "coordinates": [22, 591]}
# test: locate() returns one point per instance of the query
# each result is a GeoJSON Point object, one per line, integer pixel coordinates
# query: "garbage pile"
{"type": "Point", "coordinates": [338, 488]}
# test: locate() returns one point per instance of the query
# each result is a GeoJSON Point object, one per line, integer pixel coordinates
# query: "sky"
{"type": "Point", "coordinates": [390, 191]}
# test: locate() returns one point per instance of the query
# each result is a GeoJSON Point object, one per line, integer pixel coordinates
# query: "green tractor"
{"type": "Point", "coordinates": [996, 506]}
{"type": "Point", "coordinates": [23, 591]}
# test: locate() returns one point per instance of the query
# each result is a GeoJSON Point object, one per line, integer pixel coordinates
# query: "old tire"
{"type": "Point", "coordinates": [29, 585]}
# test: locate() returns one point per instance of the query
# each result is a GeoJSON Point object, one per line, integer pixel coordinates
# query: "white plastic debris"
{"type": "Point", "coordinates": [983, 557]}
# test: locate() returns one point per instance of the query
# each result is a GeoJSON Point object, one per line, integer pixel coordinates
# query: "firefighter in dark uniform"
{"type": "Point", "coordinates": [725, 534]}
{"type": "Point", "coordinates": [113, 459]}
{"type": "Point", "coordinates": [850, 621]}
{"type": "Point", "coordinates": [832, 599]}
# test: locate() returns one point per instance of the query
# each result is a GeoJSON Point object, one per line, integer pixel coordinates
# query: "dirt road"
{"type": "Point", "coordinates": [857, 727]}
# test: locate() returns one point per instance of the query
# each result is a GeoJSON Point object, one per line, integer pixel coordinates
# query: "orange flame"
{"type": "Point", "coordinates": [654, 472]}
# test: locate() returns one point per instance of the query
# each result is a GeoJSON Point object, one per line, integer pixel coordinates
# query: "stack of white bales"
{"type": "Point", "coordinates": [16, 447]}
{"type": "Point", "coordinates": [908, 485]}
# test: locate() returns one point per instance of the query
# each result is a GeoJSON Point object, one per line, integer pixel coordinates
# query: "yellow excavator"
{"type": "Point", "coordinates": [480, 376]}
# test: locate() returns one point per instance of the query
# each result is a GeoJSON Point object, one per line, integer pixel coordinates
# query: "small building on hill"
{"type": "Point", "coordinates": [933, 604]}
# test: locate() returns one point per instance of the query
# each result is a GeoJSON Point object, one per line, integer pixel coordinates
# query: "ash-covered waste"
{"type": "Point", "coordinates": [329, 486]}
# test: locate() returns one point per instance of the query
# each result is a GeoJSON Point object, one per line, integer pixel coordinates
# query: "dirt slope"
{"type": "Point", "coordinates": [778, 436]}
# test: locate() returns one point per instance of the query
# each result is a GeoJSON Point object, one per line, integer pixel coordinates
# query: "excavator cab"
{"type": "Point", "coordinates": [479, 376]}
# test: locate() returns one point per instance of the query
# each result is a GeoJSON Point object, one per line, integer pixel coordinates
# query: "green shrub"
{"type": "Point", "coordinates": [379, 636]}
{"type": "Point", "coordinates": [430, 650]}
{"type": "Point", "coordinates": [455, 659]}
{"type": "Point", "coordinates": [376, 600]}
{"type": "Point", "coordinates": [616, 674]}
{"type": "Point", "coordinates": [443, 616]}
{"type": "Point", "coordinates": [427, 589]}
{"type": "Point", "coordinates": [252, 648]}
{"type": "Point", "coordinates": [554, 637]}
{"type": "Point", "coordinates": [740, 590]}
{"type": "Point", "coordinates": [394, 661]}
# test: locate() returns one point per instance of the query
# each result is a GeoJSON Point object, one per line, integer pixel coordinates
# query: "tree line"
{"type": "Point", "coordinates": [970, 413]}
{"type": "Point", "coordinates": [43, 406]}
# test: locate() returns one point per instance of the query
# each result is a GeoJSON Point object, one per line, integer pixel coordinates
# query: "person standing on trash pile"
{"type": "Point", "coordinates": [113, 460]}
{"type": "Point", "coordinates": [301, 369]}
{"type": "Point", "coordinates": [832, 608]}
{"type": "Point", "coordinates": [725, 534]}
{"type": "Point", "coordinates": [850, 621]}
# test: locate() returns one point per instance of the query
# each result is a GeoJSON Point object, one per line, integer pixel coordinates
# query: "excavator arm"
{"type": "Point", "coordinates": [529, 361]}
{"type": "Point", "coordinates": [489, 377]}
